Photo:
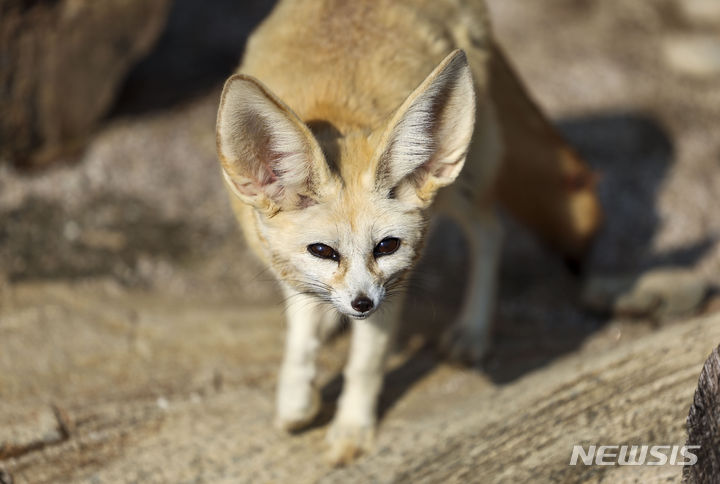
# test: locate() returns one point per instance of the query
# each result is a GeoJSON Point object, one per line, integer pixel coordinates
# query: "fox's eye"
{"type": "Point", "coordinates": [323, 251]}
{"type": "Point", "coordinates": [386, 246]}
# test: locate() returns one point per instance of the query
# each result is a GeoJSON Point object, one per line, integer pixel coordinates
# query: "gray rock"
{"type": "Point", "coordinates": [62, 63]}
{"type": "Point", "coordinates": [701, 12]}
{"type": "Point", "coordinates": [658, 294]}
{"type": "Point", "coordinates": [25, 429]}
{"type": "Point", "coordinates": [697, 55]}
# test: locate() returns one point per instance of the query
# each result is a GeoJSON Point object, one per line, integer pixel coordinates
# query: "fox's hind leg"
{"type": "Point", "coordinates": [298, 399]}
{"type": "Point", "coordinates": [468, 339]}
{"type": "Point", "coordinates": [470, 203]}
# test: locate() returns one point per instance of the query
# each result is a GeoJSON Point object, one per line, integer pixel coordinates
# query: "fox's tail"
{"type": "Point", "coordinates": [543, 182]}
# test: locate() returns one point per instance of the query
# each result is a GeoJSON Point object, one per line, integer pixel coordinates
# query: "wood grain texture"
{"type": "Point", "coordinates": [155, 394]}
{"type": "Point", "coordinates": [703, 424]}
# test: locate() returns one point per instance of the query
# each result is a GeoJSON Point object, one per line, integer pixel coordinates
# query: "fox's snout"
{"type": "Point", "coordinates": [360, 303]}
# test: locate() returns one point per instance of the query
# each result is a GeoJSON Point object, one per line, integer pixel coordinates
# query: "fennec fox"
{"type": "Point", "coordinates": [347, 124]}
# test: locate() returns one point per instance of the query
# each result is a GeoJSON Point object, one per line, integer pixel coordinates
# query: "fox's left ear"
{"type": "Point", "coordinates": [427, 140]}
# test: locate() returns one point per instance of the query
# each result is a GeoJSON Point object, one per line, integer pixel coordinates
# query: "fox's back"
{"type": "Point", "coordinates": [353, 62]}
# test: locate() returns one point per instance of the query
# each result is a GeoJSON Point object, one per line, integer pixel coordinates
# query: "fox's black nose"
{"type": "Point", "coordinates": [362, 303]}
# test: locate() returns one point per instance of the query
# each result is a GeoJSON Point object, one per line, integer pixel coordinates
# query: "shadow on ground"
{"type": "Point", "coordinates": [539, 317]}
{"type": "Point", "coordinates": [633, 155]}
{"type": "Point", "coordinates": [108, 236]}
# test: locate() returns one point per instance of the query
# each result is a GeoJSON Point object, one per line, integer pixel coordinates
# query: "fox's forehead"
{"type": "Point", "coordinates": [358, 213]}
{"type": "Point", "coordinates": [350, 152]}
{"type": "Point", "coordinates": [351, 205]}
{"type": "Point", "coordinates": [354, 216]}
{"type": "Point", "coordinates": [351, 212]}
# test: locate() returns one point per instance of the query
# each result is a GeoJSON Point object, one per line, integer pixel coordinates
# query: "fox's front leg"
{"type": "Point", "coordinates": [468, 339]}
{"type": "Point", "coordinates": [353, 428]}
{"type": "Point", "coordinates": [298, 399]}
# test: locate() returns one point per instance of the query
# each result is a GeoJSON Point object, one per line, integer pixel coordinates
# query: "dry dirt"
{"type": "Point", "coordinates": [139, 341]}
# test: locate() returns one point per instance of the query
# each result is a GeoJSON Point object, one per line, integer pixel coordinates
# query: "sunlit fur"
{"type": "Point", "coordinates": [344, 124]}
{"type": "Point", "coordinates": [383, 180]}
{"type": "Point", "coordinates": [352, 222]}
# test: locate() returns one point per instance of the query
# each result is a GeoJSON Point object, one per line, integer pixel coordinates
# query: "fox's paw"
{"type": "Point", "coordinates": [298, 411]}
{"type": "Point", "coordinates": [462, 345]}
{"type": "Point", "coordinates": [347, 442]}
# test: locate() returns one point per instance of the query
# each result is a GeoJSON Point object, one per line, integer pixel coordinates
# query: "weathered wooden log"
{"type": "Point", "coordinates": [703, 424]}
{"type": "Point", "coordinates": [141, 399]}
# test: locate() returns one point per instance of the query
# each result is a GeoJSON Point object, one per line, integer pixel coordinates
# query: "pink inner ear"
{"type": "Point", "coordinates": [270, 166]}
{"type": "Point", "coordinates": [248, 188]}
{"type": "Point", "coordinates": [270, 153]}
{"type": "Point", "coordinates": [444, 170]}
{"type": "Point", "coordinates": [263, 158]}
{"type": "Point", "coordinates": [305, 202]}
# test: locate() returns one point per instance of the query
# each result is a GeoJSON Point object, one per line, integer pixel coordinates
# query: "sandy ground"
{"type": "Point", "coordinates": [139, 341]}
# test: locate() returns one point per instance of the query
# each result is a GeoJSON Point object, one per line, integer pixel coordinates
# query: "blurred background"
{"type": "Point", "coordinates": [136, 332]}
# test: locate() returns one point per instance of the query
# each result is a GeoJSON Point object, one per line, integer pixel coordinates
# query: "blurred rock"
{"type": "Point", "coordinates": [701, 11]}
{"type": "Point", "coordinates": [61, 65]}
{"type": "Point", "coordinates": [658, 294]}
{"type": "Point", "coordinates": [27, 429]}
{"type": "Point", "coordinates": [3, 287]}
{"type": "Point", "coordinates": [713, 305]}
{"type": "Point", "coordinates": [693, 54]}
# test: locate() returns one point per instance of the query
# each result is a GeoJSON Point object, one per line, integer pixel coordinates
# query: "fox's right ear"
{"type": "Point", "coordinates": [269, 157]}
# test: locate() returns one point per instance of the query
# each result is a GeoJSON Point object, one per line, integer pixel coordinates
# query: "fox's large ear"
{"type": "Point", "coordinates": [426, 142]}
{"type": "Point", "coordinates": [269, 157]}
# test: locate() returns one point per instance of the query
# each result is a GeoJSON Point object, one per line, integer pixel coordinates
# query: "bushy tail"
{"type": "Point", "coordinates": [543, 182]}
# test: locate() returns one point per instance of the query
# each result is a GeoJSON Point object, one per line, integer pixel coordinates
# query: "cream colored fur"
{"type": "Point", "coordinates": [343, 125]}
